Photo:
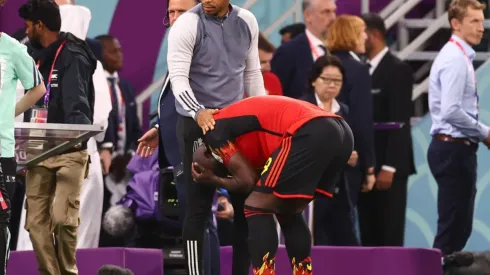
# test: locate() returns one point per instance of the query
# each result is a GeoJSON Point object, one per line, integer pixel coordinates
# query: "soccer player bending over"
{"type": "Point", "coordinates": [301, 150]}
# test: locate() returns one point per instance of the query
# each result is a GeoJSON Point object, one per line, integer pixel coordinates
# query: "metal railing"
{"type": "Point", "coordinates": [294, 10]}
{"type": "Point", "coordinates": [400, 13]}
{"type": "Point", "coordinates": [390, 8]}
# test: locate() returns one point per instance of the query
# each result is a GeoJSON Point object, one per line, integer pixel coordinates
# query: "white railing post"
{"type": "Point", "coordinates": [282, 18]}
{"type": "Point", "coordinates": [417, 42]}
{"type": "Point", "coordinates": [298, 15]}
{"type": "Point", "coordinates": [400, 12]}
{"type": "Point", "coordinates": [390, 8]}
{"type": "Point", "coordinates": [364, 6]}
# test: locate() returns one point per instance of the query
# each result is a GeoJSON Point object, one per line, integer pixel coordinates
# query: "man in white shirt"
{"type": "Point", "coordinates": [293, 60]}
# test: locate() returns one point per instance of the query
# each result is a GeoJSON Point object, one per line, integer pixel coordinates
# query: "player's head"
{"type": "Point", "coordinates": [112, 53]}
{"type": "Point", "coordinates": [205, 158]}
{"type": "Point", "coordinates": [177, 7]}
{"type": "Point", "coordinates": [466, 18]}
{"type": "Point", "coordinates": [215, 7]}
{"type": "Point", "coordinates": [2, 3]}
{"type": "Point", "coordinates": [326, 77]}
{"type": "Point", "coordinates": [347, 33]}
{"type": "Point", "coordinates": [42, 18]}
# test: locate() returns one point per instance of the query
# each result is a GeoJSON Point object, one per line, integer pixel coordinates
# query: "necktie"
{"type": "Point", "coordinates": [323, 48]}
{"type": "Point", "coordinates": [112, 81]}
{"type": "Point", "coordinates": [115, 105]}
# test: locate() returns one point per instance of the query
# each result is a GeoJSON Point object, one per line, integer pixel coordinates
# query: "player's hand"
{"type": "Point", "coordinates": [368, 184]}
{"type": "Point", "coordinates": [384, 180]}
{"type": "Point", "coordinates": [201, 174]}
{"type": "Point", "coordinates": [227, 212]}
{"type": "Point", "coordinates": [205, 119]}
{"type": "Point", "coordinates": [148, 143]}
{"type": "Point", "coordinates": [353, 159]}
{"type": "Point", "coordinates": [106, 160]}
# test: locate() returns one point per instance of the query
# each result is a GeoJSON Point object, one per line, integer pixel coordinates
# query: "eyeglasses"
{"type": "Point", "coordinates": [327, 81]}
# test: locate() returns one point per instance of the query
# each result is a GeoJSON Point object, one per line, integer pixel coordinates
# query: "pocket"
{"type": "Point", "coordinates": [73, 212]}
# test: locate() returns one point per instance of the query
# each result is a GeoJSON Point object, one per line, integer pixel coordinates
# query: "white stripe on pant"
{"type": "Point", "coordinates": [192, 258]}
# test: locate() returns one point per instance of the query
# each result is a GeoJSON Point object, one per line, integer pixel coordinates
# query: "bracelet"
{"type": "Point", "coordinates": [369, 173]}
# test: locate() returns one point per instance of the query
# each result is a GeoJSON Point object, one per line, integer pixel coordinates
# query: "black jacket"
{"type": "Point", "coordinates": [356, 94]}
{"type": "Point", "coordinates": [392, 102]}
{"type": "Point", "coordinates": [72, 90]}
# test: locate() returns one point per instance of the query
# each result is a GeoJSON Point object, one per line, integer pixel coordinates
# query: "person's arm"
{"type": "Point", "coordinates": [76, 82]}
{"type": "Point", "coordinates": [252, 76]}
{"type": "Point", "coordinates": [361, 116]}
{"type": "Point", "coordinates": [31, 79]}
{"type": "Point", "coordinates": [243, 176]}
{"type": "Point", "coordinates": [181, 41]}
{"type": "Point", "coordinates": [453, 80]}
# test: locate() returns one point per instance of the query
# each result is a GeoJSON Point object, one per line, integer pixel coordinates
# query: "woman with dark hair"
{"type": "Point", "coordinates": [346, 38]}
{"type": "Point", "coordinates": [333, 218]}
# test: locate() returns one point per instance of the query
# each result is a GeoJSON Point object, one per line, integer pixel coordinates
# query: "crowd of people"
{"type": "Point", "coordinates": [253, 134]}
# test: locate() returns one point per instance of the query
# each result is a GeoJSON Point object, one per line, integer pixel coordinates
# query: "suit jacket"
{"type": "Point", "coordinates": [392, 101]}
{"type": "Point", "coordinates": [133, 127]}
{"type": "Point", "coordinates": [356, 94]}
{"type": "Point", "coordinates": [291, 63]}
{"type": "Point", "coordinates": [167, 120]}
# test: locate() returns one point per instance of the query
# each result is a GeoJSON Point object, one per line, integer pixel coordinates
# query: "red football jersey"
{"type": "Point", "coordinates": [256, 126]}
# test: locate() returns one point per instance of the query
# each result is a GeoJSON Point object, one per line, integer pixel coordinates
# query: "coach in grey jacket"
{"type": "Point", "coordinates": [213, 60]}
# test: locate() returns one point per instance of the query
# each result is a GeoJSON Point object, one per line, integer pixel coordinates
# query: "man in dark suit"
{"type": "Point", "coordinates": [382, 211]}
{"type": "Point", "coordinates": [293, 60]}
{"type": "Point", "coordinates": [123, 130]}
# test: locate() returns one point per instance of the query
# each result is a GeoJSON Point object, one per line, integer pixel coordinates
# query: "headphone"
{"type": "Point", "coordinates": [166, 19]}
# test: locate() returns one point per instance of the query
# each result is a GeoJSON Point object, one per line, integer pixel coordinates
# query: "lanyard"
{"type": "Point", "coordinates": [314, 49]}
{"type": "Point", "coordinates": [470, 67]}
{"type": "Point", "coordinates": [50, 75]}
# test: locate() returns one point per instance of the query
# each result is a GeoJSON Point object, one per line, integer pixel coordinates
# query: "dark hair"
{"type": "Point", "coordinates": [374, 22]}
{"type": "Point", "coordinates": [104, 37]}
{"type": "Point", "coordinates": [45, 11]}
{"type": "Point", "coordinates": [319, 65]}
{"type": "Point", "coordinates": [265, 44]}
{"type": "Point", "coordinates": [114, 270]}
{"type": "Point", "coordinates": [293, 29]}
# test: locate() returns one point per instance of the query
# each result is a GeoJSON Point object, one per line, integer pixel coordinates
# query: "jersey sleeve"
{"type": "Point", "coordinates": [26, 70]}
{"type": "Point", "coordinates": [220, 142]}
